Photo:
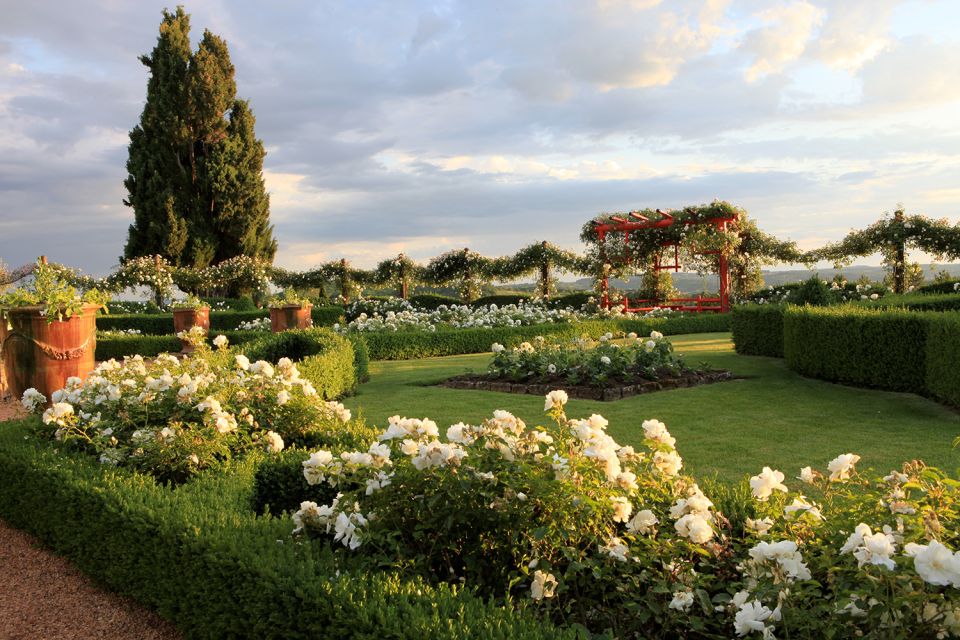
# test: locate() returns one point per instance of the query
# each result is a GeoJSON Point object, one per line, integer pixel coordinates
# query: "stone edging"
{"type": "Point", "coordinates": [588, 393]}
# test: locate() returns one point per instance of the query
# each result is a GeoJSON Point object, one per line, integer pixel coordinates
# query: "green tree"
{"type": "Point", "coordinates": [195, 166]}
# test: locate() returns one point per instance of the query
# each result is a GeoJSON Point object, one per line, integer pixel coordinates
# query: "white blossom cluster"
{"type": "Point", "coordinates": [460, 317]}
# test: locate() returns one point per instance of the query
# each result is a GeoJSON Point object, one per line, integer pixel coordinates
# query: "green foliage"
{"type": "Point", "coordinates": [244, 303]}
{"type": "Point", "coordinates": [420, 344]}
{"type": "Point", "coordinates": [162, 323]}
{"type": "Point", "coordinates": [943, 357]}
{"type": "Point", "coordinates": [921, 302]}
{"type": "Point", "coordinates": [127, 533]}
{"type": "Point", "coordinates": [118, 345]}
{"type": "Point", "coordinates": [946, 285]}
{"type": "Point", "coordinates": [361, 357]}
{"type": "Point", "coordinates": [813, 291]}
{"type": "Point", "coordinates": [195, 178]}
{"type": "Point", "coordinates": [279, 484]}
{"type": "Point", "coordinates": [431, 301]}
{"type": "Point", "coordinates": [758, 330]}
{"type": "Point", "coordinates": [49, 290]}
{"type": "Point", "coordinates": [584, 362]}
{"type": "Point", "coordinates": [856, 346]}
{"type": "Point", "coordinates": [322, 356]}
{"type": "Point", "coordinates": [575, 300]}
{"type": "Point", "coordinates": [501, 299]}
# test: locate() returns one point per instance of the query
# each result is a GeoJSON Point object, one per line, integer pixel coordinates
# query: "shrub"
{"type": "Point", "coordinates": [232, 579]}
{"type": "Point", "coordinates": [407, 345]}
{"type": "Point", "coordinates": [574, 300]}
{"type": "Point", "coordinates": [920, 302]}
{"type": "Point", "coordinates": [323, 357]}
{"type": "Point", "coordinates": [758, 329]}
{"type": "Point", "coordinates": [943, 357]}
{"type": "Point", "coordinates": [813, 292]}
{"type": "Point", "coordinates": [948, 286]}
{"type": "Point", "coordinates": [431, 301]}
{"type": "Point", "coordinates": [173, 418]}
{"type": "Point", "coordinates": [118, 345]}
{"type": "Point", "coordinates": [583, 362]}
{"type": "Point", "coordinates": [361, 357]}
{"type": "Point", "coordinates": [619, 541]}
{"type": "Point", "coordinates": [279, 484]}
{"type": "Point", "coordinates": [160, 324]}
{"type": "Point", "coordinates": [244, 303]}
{"type": "Point", "coordinates": [501, 299]}
{"type": "Point", "coordinates": [856, 346]}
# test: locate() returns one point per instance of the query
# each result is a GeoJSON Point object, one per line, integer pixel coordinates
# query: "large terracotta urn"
{"type": "Point", "coordinates": [290, 316]}
{"type": "Point", "coordinates": [43, 355]}
{"type": "Point", "coordinates": [185, 319]}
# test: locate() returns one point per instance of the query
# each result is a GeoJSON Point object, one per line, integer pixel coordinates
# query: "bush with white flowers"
{"type": "Point", "coordinates": [458, 317]}
{"type": "Point", "coordinates": [618, 540]}
{"type": "Point", "coordinates": [587, 362]}
{"type": "Point", "coordinates": [171, 418]}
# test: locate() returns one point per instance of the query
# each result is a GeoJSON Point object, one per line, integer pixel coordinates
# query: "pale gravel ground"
{"type": "Point", "coordinates": [44, 597]}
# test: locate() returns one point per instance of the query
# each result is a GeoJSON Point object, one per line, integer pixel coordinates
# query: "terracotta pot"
{"type": "Point", "coordinates": [290, 316]}
{"type": "Point", "coordinates": [41, 355]}
{"type": "Point", "coordinates": [186, 319]}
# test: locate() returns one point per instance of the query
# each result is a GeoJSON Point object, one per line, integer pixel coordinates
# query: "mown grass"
{"type": "Point", "coordinates": [771, 416]}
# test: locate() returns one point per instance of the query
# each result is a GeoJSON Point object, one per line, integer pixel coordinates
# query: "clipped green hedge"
{"type": "Point", "coordinates": [408, 345]}
{"type": "Point", "coordinates": [201, 558]}
{"type": "Point", "coordinates": [361, 357]}
{"type": "Point", "coordinates": [323, 357]}
{"type": "Point", "coordinates": [943, 357]}
{"type": "Point", "coordinates": [431, 301]}
{"type": "Point", "coordinates": [501, 299]}
{"type": "Point", "coordinates": [857, 346]}
{"type": "Point", "coordinates": [940, 287]}
{"type": "Point", "coordinates": [148, 346]}
{"type": "Point", "coordinates": [758, 329]}
{"type": "Point", "coordinates": [918, 302]}
{"type": "Point", "coordinates": [159, 324]}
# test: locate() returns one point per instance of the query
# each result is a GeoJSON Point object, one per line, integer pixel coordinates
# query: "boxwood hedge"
{"type": "Point", "coordinates": [201, 558]}
{"type": "Point", "coordinates": [322, 356]}
{"type": "Point", "coordinates": [407, 345]}
{"type": "Point", "coordinates": [162, 323]}
{"type": "Point", "coordinates": [118, 346]}
{"type": "Point", "coordinates": [758, 329]}
{"type": "Point", "coordinates": [943, 357]}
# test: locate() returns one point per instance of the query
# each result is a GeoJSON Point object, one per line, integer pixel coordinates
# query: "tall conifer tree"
{"type": "Point", "coordinates": [195, 166]}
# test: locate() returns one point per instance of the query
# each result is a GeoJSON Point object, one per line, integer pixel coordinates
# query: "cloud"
{"type": "Point", "coordinates": [916, 72]}
{"type": "Point", "coordinates": [783, 38]}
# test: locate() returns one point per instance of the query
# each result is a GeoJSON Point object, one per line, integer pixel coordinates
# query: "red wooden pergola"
{"type": "Point", "coordinates": [638, 223]}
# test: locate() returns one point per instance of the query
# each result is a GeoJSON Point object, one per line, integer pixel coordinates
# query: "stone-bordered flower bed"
{"type": "Point", "coordinates": [602, 370]}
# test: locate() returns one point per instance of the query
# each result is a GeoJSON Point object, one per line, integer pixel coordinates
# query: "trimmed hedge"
{"type": "Point", "coordinates": [940, 287]}
{"type": "Point", "coordinates": [148, 346]}
{"type": "Point", "coordinates": [501, 299]}
{"type": "Point", "coordinates": [159, 324]}
{"type": "Point", "coordinates": [918, 302]}
{"type": "Point", "coordinates": [856, 346]}
{"type": "Point", "coordinates": [943, 357]}
{"type": "Point", "coordinates": [361, 357]}
{"type": "Point", "coordinates": [408, 345]}
{"type": "Point", "coordinates": [758, 329]}
{"type": "Point", "coordinates": [323, 357]}
{"type": "Point", "coordinates": [431, 301]}
{"type": "Point", "coordinates": [202, 559]}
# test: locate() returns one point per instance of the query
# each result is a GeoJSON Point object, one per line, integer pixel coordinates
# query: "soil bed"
{"type": "Point", "coordinates": [612, 390]}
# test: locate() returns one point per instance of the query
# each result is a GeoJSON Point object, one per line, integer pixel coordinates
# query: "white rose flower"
{"type": "Point", "coordinates": [643, 522]}
{"type": "Point", "coordinates": [557, 398]}
{"type": "Point", "coordinates": [842, 466]}
{"type": "Point", "coordinates": [766, 483]}
{"type": "Point", "coordinates": [621, 509]}
{"type": "Point", "coordinates": [695, 527]}
{"type": "Point", "coordinates": [543, 585]}
{"type": "Point", "coordinates": [604, 360]}
{"type": "Point", "coordinates": [682, 600]}
{"type": "Point", "coordinates": [806, 475]}
{"type": "Point", "coordinates": [935, 563]}
{"type": "Point", "coordinates": [274, 442]}
{"type": "Point", "coordinates": [220, 342]}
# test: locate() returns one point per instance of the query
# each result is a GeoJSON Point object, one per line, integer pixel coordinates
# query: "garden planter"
{"type": "Point", "coordinates": [186, 319]}
{"type": "Point", "coordinates": [41, 355]}
{"type": "Point", "coordinates": [290, 316]}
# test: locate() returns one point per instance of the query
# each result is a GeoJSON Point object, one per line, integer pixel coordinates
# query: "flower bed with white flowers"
{"type": "Point", "coordinates": [173, 418]}
{"type": "Point", "coordinates": [601, 370]}
{"type": "Point", "coordinates": [618, 539]}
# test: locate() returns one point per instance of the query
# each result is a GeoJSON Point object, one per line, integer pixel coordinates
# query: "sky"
{"type": "Point", "coordinates": [428, 126]}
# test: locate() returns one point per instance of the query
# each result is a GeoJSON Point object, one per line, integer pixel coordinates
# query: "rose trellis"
{"type": "Point", "coordinates": [891, 237]}
{"type": "Point", "coordinates": [712, 238]}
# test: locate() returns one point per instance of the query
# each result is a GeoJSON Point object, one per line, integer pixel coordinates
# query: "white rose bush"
{"type": "Point", "coordinates": [585, 361]}
{"type": "Point", "coordinates": [172, 418]}
{"type": "Point", "coordinates": [616, 539]}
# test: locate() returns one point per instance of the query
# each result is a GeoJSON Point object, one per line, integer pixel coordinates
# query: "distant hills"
{"type": "Point", "coordinates": [693, 283]}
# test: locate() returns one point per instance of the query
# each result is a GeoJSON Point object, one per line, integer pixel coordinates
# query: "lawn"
{"type": "Point", "coordinates": [770, 417]}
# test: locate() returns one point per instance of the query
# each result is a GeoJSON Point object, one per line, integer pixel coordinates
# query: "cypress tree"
{"type": "Point", "coordinates": [195, 166]}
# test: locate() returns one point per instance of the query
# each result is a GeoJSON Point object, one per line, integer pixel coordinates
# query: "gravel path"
{"type": "Point", "coordinates": [43, 596]}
